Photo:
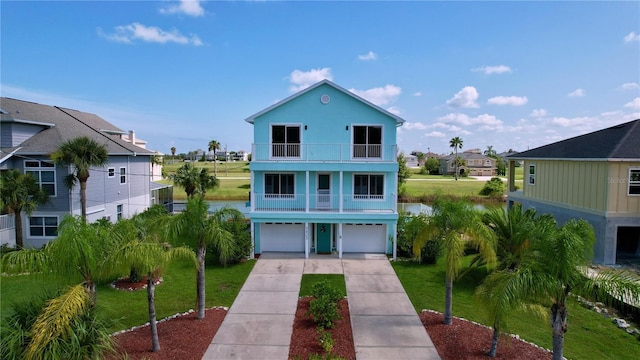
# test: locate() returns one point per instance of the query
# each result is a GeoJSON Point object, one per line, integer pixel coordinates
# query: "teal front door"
{"type": "Point", "coordinates": [323, 238]}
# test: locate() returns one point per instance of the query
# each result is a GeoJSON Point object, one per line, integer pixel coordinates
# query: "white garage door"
{"type": "Point", "coordinates": [364, 238]}
{"type": "Point", "coordinates": [282, 237]}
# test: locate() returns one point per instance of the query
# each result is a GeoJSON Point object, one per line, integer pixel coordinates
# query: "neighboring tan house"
{"type": "Point", "coordinates": [30, 132]}
{"type": "Point", "coordinates": [324, 174]}
{"type": "Point", "coordinates": [595, 177]}
{"type": "Point", "coordinates": [474, 164]}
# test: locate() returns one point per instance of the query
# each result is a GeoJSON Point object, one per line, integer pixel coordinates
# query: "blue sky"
{"type": "Point", "coordinates": [507, 74]}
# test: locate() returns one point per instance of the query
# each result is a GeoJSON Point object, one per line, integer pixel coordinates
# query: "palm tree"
{"type": "Point", "coordinates": [149, 257]}
{"type": "Point", "coordinates": [199, 229]}
{"type": "Point", "coordinates": [193, 180]}
{"type": "Point", "coordinates": [82, 153]}
{"type": "Point", "coordinates": [555, 266]}
{"type": "Point", "coordinates": [456, 224]}
{"type": "Point", "coordinates": [456, 143]}
{"type": "Point", "coordinates": [490, 152]}
{"type": "Point", "coordinates": [515, 230]}
{"type": "Point", "coordinates": [213, 146]}
{"type": "Point", "coordinates": [20, 192]}
{"type": "Point", "coordinates": [173, 152]}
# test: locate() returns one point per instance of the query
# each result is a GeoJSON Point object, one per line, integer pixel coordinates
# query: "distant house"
{"type": "Point", "coordinates": [30, 132]}
{"type": "Point", "coordinates": [324, 174]}
{"type": "Point", "coordinates": [411, 161]}
{"type": "Point", "coordinates": [241, 155]}
{"type": "Point", "coordinates": [595, 177]}
{"type": "Point", "coordinates": [473, 164]}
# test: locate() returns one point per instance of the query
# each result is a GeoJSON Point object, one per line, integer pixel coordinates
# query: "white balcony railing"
{"type": "Point", "coordinates": [322, 203]}
{"type": "Point", "coordinates": [324, 152]}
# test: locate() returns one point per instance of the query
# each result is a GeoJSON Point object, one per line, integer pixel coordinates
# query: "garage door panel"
{"type": "Point", "coordinates": [282, 237]}
{"type": "Point", "coordinates": [364, 238]}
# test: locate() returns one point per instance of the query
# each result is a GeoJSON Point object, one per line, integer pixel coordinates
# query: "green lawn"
{"type": "Point", "coordinates": [177, 293]}
{"type": "Point", "coordinates": [590, 335]}
{"type": "Point", "coordinates": [335, 281]}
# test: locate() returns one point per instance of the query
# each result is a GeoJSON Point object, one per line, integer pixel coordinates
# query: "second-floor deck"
{"type": "Point", "coordinates": [324, 152]}
{"type": "Point", "coordinates": [346, 203]}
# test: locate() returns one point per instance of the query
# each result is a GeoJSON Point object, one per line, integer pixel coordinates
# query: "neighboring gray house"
{"type": "Point", "coordinates": [474, 164]}
{"type": "Point", "coordinates": [30, 132]}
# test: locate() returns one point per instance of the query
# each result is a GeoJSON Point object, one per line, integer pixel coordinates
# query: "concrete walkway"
{"type": "Point", "coordinates": [259, 323]}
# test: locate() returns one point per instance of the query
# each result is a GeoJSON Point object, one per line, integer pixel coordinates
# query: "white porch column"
{"type": "Point", "coordinates": [306, 240]}
{"type": "Point", "coordinates": [252, 199]}
{"type": "Point", "coordinates": [340, 237]}
{"type": "Point", "coordinates": [307, 191]}
{"type": "Point", "coordinates": [394, 227]}
{"type": "Point", "coordinates": [340, 194]}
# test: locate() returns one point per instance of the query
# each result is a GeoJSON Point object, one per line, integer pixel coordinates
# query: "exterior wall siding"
{"type": "Point", "coordinates": [619, 202]}
{"type": "Point", "coordinates": [574, 183]}
{"type": "Point", "coordinates": [14, 134]}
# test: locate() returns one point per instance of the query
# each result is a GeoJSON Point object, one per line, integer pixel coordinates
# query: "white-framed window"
{"type": "Point", "coordinates": [470, 162]}
{"type": "Point", "coordinates": [111, 172]}
{"type": "Point", "coordinates": [368, 186]}
{"type": "Point", "coordinates": [532, 174]}
{"type": "Point", "coordinates": [367, 141]}
{"type": "Point", "coordinates": [285, 141]}
{"type": "Point", "coordinates": [119, 212]}
{"type": "Point", "coordinates": [45, 174]}
{"type": "Point", "coordinates": [279, 185]}
{"type": "Point", "coordinates": [43, 226]}
{"type": "Point", "coordinates": [634, 181]}
{"type": "Point", "coordinates": [123, 175]}
{"type": "Point", "coordinates": [487, 162]}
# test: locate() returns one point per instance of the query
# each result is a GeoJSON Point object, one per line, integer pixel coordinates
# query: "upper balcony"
{"type": "Point", "coordinates": [324, 152]}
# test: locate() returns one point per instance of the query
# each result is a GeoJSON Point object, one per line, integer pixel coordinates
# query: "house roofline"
{"type": "Point", "coordinates": [399, 120]}
{"type": "Point", "coordinates": [576, 159]}
{"type": "Point", "coordinates": [9, 155]}
{"type": "Point", "coordinates": [30, 122]}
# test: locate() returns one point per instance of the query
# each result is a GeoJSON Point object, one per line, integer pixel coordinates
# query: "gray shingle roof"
{"type": "Point", "coordinates": [60, 125]}
{"type": "Point", "coordinates": [617, 142]}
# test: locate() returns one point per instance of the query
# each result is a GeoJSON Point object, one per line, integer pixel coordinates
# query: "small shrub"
{"type": "Point", "coordinates": [430, 252]}
{"type": "Point", "coordinates": [323, 309]}
{"type": "Point", "coordinates": [322, 289]}
{"type": "Point", "coordinates": [493, 187]}
{"type": "Point", "coordinates": [326, 341]}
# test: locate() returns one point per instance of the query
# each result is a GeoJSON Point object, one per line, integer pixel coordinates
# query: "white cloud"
{"type": "Point", "coordinates": [394, 110]}
{"type": "Point", "coordinates": [187, 7]}
{"type": "Point", "coordinates": [466, 120]}
{"type": "Point", "coordinates": [465, 98]}
{"type": "Point", "coordinates": [566, 122]}
{"type": "Point", "coordinates": [497, 69]}
{"type": "Point", "coordinates": [632, 36]}
{"type": "Point", "coordinates": [414, 126]}
{"type": "Point", "coordinates": [508, 100]}
{"type": "Point", "coordinates": [128, 34]}
{"type": "Point", "coordinates": [630, 86]}
{"type": "Point", "coordinates": [538, 113]}
{"type": "Point", "coordinates": [303, 79]}
{"type": "Point", "coordinates": [380, 95]}
{"type": "Point", "coordinates": [417, 93]}
{"type": "Point", "coordinates": [633, 104]}
{"type": "Point", "coordinates": [368, 56]}
{"type": "Point", "coordinates": [577, 93]}
{"type": "Point", "coordinates": [435, 134]}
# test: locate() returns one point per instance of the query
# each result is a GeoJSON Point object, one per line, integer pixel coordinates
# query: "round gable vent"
{"type": "Point", "coordinates": [325, 99]}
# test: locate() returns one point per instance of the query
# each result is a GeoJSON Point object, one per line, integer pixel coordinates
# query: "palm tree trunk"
{"type": "Point", "coordinates": [83, 200]}
{"type": "Point", "coordinates": [456, 160]}
{"type": "Point", "coordinates": [18, 229]}
{"type": "Point", "coordinates": [559, 325]}
{"type": "Point", "coordinates": [448, 300]}
{"type": "Point", "coordinates": [151, 294]}
{"type": "Point", "coordinates": [202, 251]}
{"type": "Point", "coordinates": [494, 342]}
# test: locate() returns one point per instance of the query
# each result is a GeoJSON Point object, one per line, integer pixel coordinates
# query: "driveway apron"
{"type": "Point", "coordinates": [260, 321]}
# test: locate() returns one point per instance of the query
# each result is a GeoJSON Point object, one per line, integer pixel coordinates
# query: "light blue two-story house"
{"type": "Point", "coordinates": [324, 174]}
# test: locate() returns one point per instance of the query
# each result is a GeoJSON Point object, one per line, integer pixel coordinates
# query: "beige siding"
{"type": "Point", "coordinates": [618, 182]}
{"type": "Point", "coordinates": [575, 183]}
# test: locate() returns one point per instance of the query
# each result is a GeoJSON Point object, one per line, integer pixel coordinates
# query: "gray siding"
{"type": "Point", "coordinates": [17, 133]}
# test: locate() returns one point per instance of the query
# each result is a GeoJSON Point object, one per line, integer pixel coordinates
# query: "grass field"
{"type": "Point", "coordinates": [177, 293]}
{"type": "Point", "coordinates": [590, 335]}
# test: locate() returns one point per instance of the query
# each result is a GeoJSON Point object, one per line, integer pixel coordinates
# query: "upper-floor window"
{"type": "Point", "coordinates": [45, 174]}
{"type": "Point", "coordinates": [634, 181]}
{"type": "Point", "coordinates": [532, 174]}
{"type": "Point", "coordinates": [367, 141]}
{"type": "Point", "coordinates": [368, 186]}
{"type": "Point", "coordinates": [123, 175]}
{"type": "Point", "coordinates": [279, 185]}
{"type": "Point", "coordinates": [111, 172]}
{"type": "Point", "coordinates": [470, 162]}
{"type": "Point", "coordinates": [487, 162]}
{"type": "Point", "coordinates": [285, 140]}
{"type": "Point", "coordinates": [43, 226]}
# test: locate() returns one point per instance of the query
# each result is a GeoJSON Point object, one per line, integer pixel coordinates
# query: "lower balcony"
{"type": "Point", "coordinates": [322, 203]}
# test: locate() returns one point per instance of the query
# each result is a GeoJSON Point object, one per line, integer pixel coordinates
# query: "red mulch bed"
{"type": "Point", "coordinates": [305, 339]}
{"type": "Point", "coordinates": [466, 340]}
